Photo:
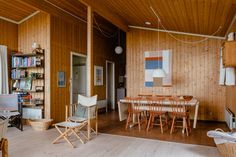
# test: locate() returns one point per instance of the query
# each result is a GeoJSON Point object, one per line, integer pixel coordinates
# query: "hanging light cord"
{"type": "Point", "coordinates": [98, 27]}
{"type": "Point", "coordinates": [103, 32]}
{"type": "Point", "coordinates": [183, 41]}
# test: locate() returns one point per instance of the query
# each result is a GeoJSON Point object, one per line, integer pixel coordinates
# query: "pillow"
{"type": "Point", "coordinates": [81, 111]}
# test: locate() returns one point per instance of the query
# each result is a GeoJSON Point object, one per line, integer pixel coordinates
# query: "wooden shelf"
{"type": "Point", "coordinates": [27, 67]}
{"type": "Point", "coordinates": [29, 91]}
{"type": "Point", "coordinates": [18, 61]}
{"type": "Point", "coordinates": [27, 78]}
{"type": "Point", "coordinates": [28, 55]}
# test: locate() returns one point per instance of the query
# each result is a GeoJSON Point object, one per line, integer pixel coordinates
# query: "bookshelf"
{"type": "Point", "coordinates": [27, 77]}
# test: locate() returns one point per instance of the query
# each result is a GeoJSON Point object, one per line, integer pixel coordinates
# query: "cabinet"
{"type": "Point", "coordinates": [229, 54]}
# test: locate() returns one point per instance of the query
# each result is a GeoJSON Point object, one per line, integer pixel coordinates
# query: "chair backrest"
{"type": "Point", "coordinates": [9, 102]}
{"type": "Point", "coordinates": [156, 104]}
{"type": "Point", "coordinates": [178, 105]}
{"type": "Point", "coordinates": [87, 101]}
{"type": "Point", "coordinates": [3, 128]}
{"type": "Point", "coordinates": [84, 103]}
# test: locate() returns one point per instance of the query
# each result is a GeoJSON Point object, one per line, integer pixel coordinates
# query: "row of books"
{"type": "Point", "coordinates": [25, 61]}
{"type": "Point", "coordinates": [17, 74]}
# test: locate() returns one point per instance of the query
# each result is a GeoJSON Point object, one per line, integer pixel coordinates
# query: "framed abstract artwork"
{"type": "Point", "coordinates": [158, 60]}
{"type": "Point", "coordinates": [98, 75]}
{"type": "Point", "coordinates": [61, 79]}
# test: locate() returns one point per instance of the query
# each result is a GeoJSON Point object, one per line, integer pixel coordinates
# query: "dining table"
{"type": "Point", "coordinates": [167, 106]}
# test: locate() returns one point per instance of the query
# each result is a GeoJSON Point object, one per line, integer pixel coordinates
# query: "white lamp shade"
{"type": "Point", "coordinates": [118, 50]}
{"type": "Point", "coordinates": [159, 73]}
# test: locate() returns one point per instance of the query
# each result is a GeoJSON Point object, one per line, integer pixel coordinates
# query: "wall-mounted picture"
{"type": "Point", "coordinates": [158, 60]}
{"type": "Point", "coordinates": [98, 75]}
{"type": "Point", "coordinates": [61, 79]}
{"type": "Point", "coordinates": [25, 84]}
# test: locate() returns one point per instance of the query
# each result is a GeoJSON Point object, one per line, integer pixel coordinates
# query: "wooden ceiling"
{"type": "Point", "coordinates": [15, 10]}
{"type": "Point", "coordinates": [193, 16]}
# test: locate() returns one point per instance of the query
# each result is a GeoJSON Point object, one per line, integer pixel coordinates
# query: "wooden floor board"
{"type": "Point", "coordinates": [109, 123]}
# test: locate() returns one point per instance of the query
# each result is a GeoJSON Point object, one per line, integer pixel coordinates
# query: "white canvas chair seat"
{"type": "Point", "coordinates": [70, 128]}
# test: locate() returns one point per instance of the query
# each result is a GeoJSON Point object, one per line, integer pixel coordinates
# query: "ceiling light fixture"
{"type": "Point", "coordinates": [147, 23]}
{"type": "Point", "coordinates": [118, 48]}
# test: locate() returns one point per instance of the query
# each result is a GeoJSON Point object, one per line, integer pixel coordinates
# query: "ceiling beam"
{"type": "Point", "coordinates": [106, 13]}
{"type": "Point", "coordinates": [177, 32]}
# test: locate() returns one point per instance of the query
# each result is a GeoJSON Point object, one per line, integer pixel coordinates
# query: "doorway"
{"type": "Point", "coordinates": [78, 76]}
{"type": "Point", "coordinates": [110, 84]}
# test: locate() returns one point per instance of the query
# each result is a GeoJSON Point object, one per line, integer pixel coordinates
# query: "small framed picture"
{"type": "Point", "coordinates": [61, 79]}
{"type": "Point", "coordinates": [25, 84]}
{"type": "Point", "coordinates": [98, 75]}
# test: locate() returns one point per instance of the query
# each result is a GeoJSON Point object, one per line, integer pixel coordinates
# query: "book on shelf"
{"type": "Point", "coordinates": [17, 74]}
{"type": "Point", "coordinates": [24, 61]}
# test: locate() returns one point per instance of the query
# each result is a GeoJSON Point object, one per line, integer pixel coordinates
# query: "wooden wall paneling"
{"type": "Point", "coordinates": [231, 90]}
{"type": "Point", "coordinates": [70, 36]}
{"type": "Point", "coordinates": [9, 37]}
{"type": "Point", "coordinates": [195, 69]}
{"type": "Point", "coordinates": [65, 38]}
{"type": "Point", "coordinates": [37, 29]}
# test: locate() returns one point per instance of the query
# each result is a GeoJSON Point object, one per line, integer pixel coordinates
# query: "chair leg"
{"type": "Point", "coordinates": [127, 121]}
{"type": "Point", "coordinates": [145, 119]}
{"type": "Point", "coordinates": [189, 124]}
{"type": "Point", "coordinates": [77, 136]}
{"type": "Point", "coordinates": [63, 135]}
{"type": "Point", "coordinates": [166, 120]}
{"type": "Point", "coordinates": [152, 122]}
{"type": "Point", "coordinates": [139, 126]}
{"type": "Point", "coordinates": [172, 126]}
{"type": "Point", "coordinates": [4, 148]}
{"type": "Point", "coordinates": [149, 121]}
{"type": "Point", "coordinates": [161, 124]}
{"type": "Point", "coordinates": [185, 125]}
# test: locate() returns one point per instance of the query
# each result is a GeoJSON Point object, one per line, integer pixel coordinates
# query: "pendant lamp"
{"type": "Point", "coordinates": [118, 48]}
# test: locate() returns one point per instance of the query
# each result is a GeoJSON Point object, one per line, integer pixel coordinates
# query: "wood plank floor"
{"type": "Point", "coordinates": [109, 123]}
{"type": "Point", "coordinates": [30, 143]}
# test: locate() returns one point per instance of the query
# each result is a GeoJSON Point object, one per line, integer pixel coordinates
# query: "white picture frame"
{"type": "Point", "coordinates": [98, 75]}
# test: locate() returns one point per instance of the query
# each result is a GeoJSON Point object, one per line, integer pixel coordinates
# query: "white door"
{"type": "Point", "coordinates": [78, 76]}
{"type": "Point", "coordinates": [110, 84]}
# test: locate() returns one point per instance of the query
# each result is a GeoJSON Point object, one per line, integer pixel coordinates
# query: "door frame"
{"type": "Point", "coordinates": [113, 105]}
{"type": "Point", "coordinates": [71, 72]}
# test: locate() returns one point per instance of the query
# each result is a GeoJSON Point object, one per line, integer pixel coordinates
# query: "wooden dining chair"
{"type": "Point", "coordinates": [156, 111]}
{"type": "Point", "coordinates": [179, 110]}
{"type": "Point", "coordinates": [135, 110]}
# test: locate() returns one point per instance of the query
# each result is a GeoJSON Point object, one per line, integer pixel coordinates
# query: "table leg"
{"type": "Point", "coordinates": [195, 115]}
